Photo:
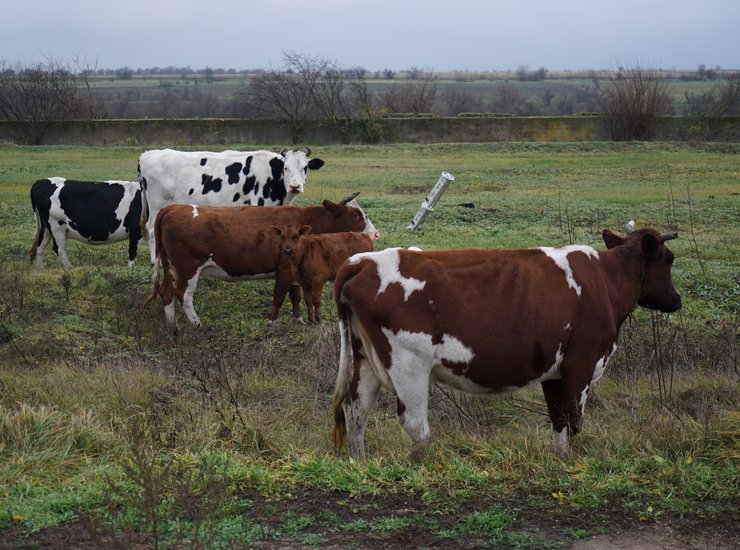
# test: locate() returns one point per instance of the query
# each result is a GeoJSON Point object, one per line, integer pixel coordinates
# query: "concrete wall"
{"type": "Point", "coordinates": [429, 129]}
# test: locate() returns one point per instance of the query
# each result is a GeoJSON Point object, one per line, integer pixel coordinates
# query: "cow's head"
{"type": "Point", "coordinates": [290, 236]}
{"type": "Point", "coordinates": [348, 216]}
{"type": "Point", "coordinates": [296, 165]}
{"type": "Point", "coordinates": [656, 285]}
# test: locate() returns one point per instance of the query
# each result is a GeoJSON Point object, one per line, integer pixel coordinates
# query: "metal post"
{"type": "Point", "coordinates": [431, 199]}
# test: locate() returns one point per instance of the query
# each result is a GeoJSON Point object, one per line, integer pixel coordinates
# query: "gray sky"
{"type": "Point", "coordinates": [376, 34]}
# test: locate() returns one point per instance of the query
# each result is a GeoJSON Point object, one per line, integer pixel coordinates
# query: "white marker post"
{"type": "Point", "coordinates": [432, 198]}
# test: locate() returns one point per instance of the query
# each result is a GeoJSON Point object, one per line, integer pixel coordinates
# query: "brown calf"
{"type": "Point", "coordinates": [315, 259]}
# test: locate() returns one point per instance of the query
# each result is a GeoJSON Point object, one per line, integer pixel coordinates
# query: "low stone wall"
{"type": "Point", "coordinates": [429, 129]}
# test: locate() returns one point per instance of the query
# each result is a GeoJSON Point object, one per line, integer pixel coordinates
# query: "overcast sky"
{"type": "Point", "coordinates": [376, 34]}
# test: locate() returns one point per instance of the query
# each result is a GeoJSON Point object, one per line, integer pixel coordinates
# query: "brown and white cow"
{"type": "Point", "coordinates": [316, 259]}
{"type": "Point", "coordinates": [489, 321]}
{"type": "Point", "coordinates": [235, 244]}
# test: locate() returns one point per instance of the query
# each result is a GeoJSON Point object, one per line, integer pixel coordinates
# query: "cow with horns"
{"type": "Point", "coordinates": [228, 178]}
{"type": "Point", "coordinates": [489, 321]}
{"type": "Point", "coordinates": [236, 244]}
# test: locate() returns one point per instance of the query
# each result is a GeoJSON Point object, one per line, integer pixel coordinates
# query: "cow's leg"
{"type": "Point", "coordinates": [317, 287]}
{"type": "Point", "coordinates": [358, 404]}
{"type": "Point", "coordinates": [566, 399]}
{"type": "Point", "coordinates": [295, 300]}
{"type": "Point", "coordinates": [133, 246]}
{"type": "Point", "coordinates": [306, 287]}
{"type": "Point", "coordinates": [41, 246]}
{"type": "Point", "coordinates": [167, 293]}
{"type": "Point", "coordinates": [283, 284]}
{"type": "Point", "coordinates": [186, 292]}
{"type": "Point", "coordinates": [410, 376]}
{"type": "Point", "coordinates": [59, 234]}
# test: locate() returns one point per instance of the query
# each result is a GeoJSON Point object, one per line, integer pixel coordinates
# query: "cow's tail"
{"type": "Point", "coordinates": [40, 229]}
{"type": "Point", "coordinates": [144, 204]}
{"type": "Point", "coordinates": [344, 373]}
{"type": "Point", "coordinates": [162, 261]}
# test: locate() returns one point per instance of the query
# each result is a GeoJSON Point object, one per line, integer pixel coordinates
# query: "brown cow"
{"type": "Point", "coordinates": [489, 321]}
{"type": "Point", "coordinates": [316, 259]}
{"type": "Point", "coordinates": [234, 244]}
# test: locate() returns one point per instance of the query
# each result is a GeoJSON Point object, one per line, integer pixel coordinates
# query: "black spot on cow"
{"type": "Point", "coordinates": [236, 197]}
{"type": "Point", "coordinates": [274, 188]}
{"type": "Point", "coordinates": [249, 184]}
{"type": "Point", "coordinates": [247, 165]}
{"type": "Point", "coordinates": [61, 222]}
{"type": "Point", "coordinates": [257, 188]}
{"type": "Point", "coordinates": [211, 184]}
{"type": "Point", "coordinates": [261, 202]}
{"type": "Point", "coordinates": [234, 172]}
{"type": "Point", "coordinates": [248, 202]}
{"type": "Point", "coordinates": [98, 223]}
{"type": "Point", "coordinates": [143, 183]}
{"type": "Point", "coordinates": [191, 191]}
{"type": "Point", "coordinates": [203, 161]}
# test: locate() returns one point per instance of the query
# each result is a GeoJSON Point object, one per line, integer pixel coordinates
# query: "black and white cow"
{"type": "Point", "coordinates": [89, 212]}
{"type": "Point", "coordinates": [228, 178]}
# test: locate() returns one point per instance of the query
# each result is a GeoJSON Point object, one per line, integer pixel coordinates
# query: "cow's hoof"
{"type": "Point", "coordinates": [299, 320]}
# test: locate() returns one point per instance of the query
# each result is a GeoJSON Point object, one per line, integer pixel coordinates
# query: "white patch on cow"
{"type": "Point", "coordinates": [414, 248]}
{"type": "Point", "coordinates": [388, 262]}
{"type": "Point", "coordinates": [600, 366]}
{"type": "Point", "coordinates": [584, 397]}
{"type": "Point", "coordinates": [567, 327]}
{"type": "Point", "coordinates": [560, 439]}
{"type": "Point", "coordinates": [420, 344]}
{"type": "Point", "coordinates": [195, 210]}
{"type": "Point", "coordinates": [560, 257]}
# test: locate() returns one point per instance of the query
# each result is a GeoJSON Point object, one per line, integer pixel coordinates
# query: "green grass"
{"type": "Point", "coordinates": [95, 393]}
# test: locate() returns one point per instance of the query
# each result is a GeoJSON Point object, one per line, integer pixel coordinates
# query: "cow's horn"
{"type": "Point", "coordinates": [282, 153]}
{"type": "Point", "coordinates": [308, 151]}
{"type": "Point", "coordinates": [668, 236]}
{"type": "Point", "coordinates": [350, 198]}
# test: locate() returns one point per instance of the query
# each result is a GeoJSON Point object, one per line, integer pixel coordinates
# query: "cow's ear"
{"type": "Point", "coordinates": [315, 164]}
{"type": "Point", "coordinates": [305, 230]}
{"type": "Point", "coordinates": [649, 244]}
{"type": "Point", "coordinates": [610, 239]}
{"type": "Point", "coordinates": [277, 230]}
{"type": "Point", "coordinates": [331, 206]}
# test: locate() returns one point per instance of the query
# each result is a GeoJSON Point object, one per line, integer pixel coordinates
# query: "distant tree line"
{"type": "Point", "coordinates": [350, 101]}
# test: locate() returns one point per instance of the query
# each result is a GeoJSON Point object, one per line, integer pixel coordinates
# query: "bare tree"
{"type": "Point", "coordinates": [506, 99]}
{"type": "Point", "coordinates": [282, 95]}
{"type": "Point", "coordinates": [632, 99]}
{"type": "Point", "coordinates": [412, 97]}
{"type": "Point", "coordinates": [38, 95]}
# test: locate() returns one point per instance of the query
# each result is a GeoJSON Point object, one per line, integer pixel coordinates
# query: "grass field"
{"type": "Point", "coordinates": [115, 433]}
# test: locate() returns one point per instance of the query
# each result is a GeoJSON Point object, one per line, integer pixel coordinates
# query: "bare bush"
{"type": "Point", "coordinates": [632, 99]}
{"type": "Point", "coordinates": [38, 95]}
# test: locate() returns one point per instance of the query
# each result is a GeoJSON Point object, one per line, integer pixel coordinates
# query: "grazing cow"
{"type": "Point", "coordinates": [316, 259]}
{"type": "Point", "coordinates": [489, 321]}
{"type": "Point", "coordinates": [86, 211]}
{"type": "Point", "coordinates": [228, 178]}
{"type": "Point", "coordinates": [234, 244]}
